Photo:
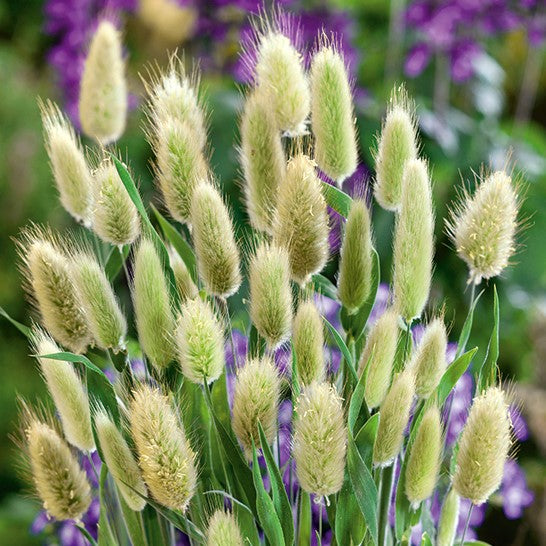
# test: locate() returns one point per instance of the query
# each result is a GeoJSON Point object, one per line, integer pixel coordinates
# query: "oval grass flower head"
{"type": "Point", "coordinates": [262, 159]}
{"type": "Point", "coordinates": [449, 519]}
{"type": "Point", "coordinates": [165, 456]}
{"type": "Point", "coordinates": [68, 163]}
{"type": "Point", "coordinates": [355, 265]}
{"type": "Point", "coordinates": [103, 90]}
{"type": "Point", "coordinates": [301, 221]}
{"type": "Point", "coordinates": [67, 391]}
{"type": "Point", "coordinates": [332, 115]}
{"type": "Point", "coordinates": [99, 302]}
{"type": "Point", "coordinates": [223, 530]}
{"type": "Point", "coordinates": [483, 226]}
{"type": "Point", "coordinates": [214, 241]}
{"type": "Point", "coordinates": [320, 440]}
{"type": "Point", "coordinates": [271, 293]}
{"type": "Point", "coordinates": [154, 316]}
{"type": "Point", "coordinates": [120, 461]}
{"type": "Point", "coordinates": [256, 400]}
{"type": "Point", "coordinates": [396, 145]}
{"type": "Point", "coordinates": [200, 342]}
{"type": "Point", "coordinates": [413, 242]}
{"type": "Point", "coordinates": [115, 217]}
{"type": "Point", "coordinates": [483, 447]}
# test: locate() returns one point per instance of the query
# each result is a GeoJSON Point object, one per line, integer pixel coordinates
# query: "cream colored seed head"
{"type": "Point", "coordinates": [449, 519]}
{"type": "Point", "coordinates": [320, 440]}
{"type": "Point", "coordinates": [223, 530]}
{"type": "Point", "coordinates": [169, 21]}
{"type": "Point", "coordinates": [103, 89]}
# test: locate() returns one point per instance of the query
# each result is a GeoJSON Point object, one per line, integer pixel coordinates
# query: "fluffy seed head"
{"type": "Point", "coordinates": [256, 400]}
{"type": "Point", "coordinates": [101, 307]}
{"type": "Point", "coordinates": [424, 458]}
{"type": "Point", "coordinates": [223, 530]}
{"type": "Point", "coordinates": [262, 159]}
{"type": "Point", "coordinates": [355, 266]}
{"type": "Point", "coordinates": [103, 90]}
{"type": "Point", "coordinates": [164, 453]}
{"type": "Point", "coordinates": [184, 282]}
{"type": "Point", "coordinates": [214, 241]}
{"type": "Point", "coordinates": [449, 519]}
{"type": "Point", "coordinates": [332, 115]}
{"type": "Point", "coordinates": [396, 145]}
{"type": "Point", "coordinates": [301, 221]}
{"type": "Point", "coordinates": [200, 342]}
{"type": "Point", "coordinates": [154, 316]}
{"type": "Point", "coordinates": [115, 217]}
{"type": "Point", "coordinates": [429, 358]}
{"type": "Point", "coordinates": [381, 343]}
{"type": "Point", "coordinates": [281, 78]}
{"type": "Point", "coordinates": [483, 226]}
{"type": "Point", "coordinates": [308, 343]}
{"type": "Point", "coordinates": [68, 163]}
{"type": "Point", "coordinates": [120, 461]}
{"type": "Point", "coordinates": [320, 440]}
{"type": "Point", "coordinates": [271, 293]}
{"type": "Point", "coordinates": [483, 447]}
{"type": "Point", "coordinates": [393, 418]}
{"type": "Point", "coordinates": [413, 242]}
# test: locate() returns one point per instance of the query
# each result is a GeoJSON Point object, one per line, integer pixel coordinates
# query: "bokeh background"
{"type": "Point", "coordinates": [477, 71]}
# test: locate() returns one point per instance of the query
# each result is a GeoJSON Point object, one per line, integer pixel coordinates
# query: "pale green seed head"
{"type": "Point", "coordinates": [120, 461]}
{"type": "Point", "coordinates": [115, 217]}
{"type": "Point", "coordinates": [483, 447]}
{"type": "Point", "coordinates": [103, 89]}
{"type": "Point", "coordinates": [67, 391]}
{"type": "Point", "coordinates": [223, 530]}
{"type": "Point", "coordinates": [332, 115]}
{"type": "Point", "coordinates": [68, 163]}
{"type": "Point", "coordinates": [424, 459]}
{"type": "Point", "coordinates": [483, 226]}
{"type": "Point", "coordinates": [355, 266]}
{"type": "Point", "coordinates": [100, 305]}
{"type": "Point", "coordinates": [301, 220]}
{"type": "Point", "coordinates": [396, 145]}
{"type": "Point", "coordinates": [200, 342]}
{"type": "Point", "coordinates": [449, 519]}
{"type": "Point", "coordinates": [413, 242]}
{"type": "Point", "coordinates": [165, 456]}
{"type": "Point", "coordinates": [184, 282]}
{"type": "Point", "coordinates": [381, 343]}
{"type": "Point", "coordinates": [320, 440]}
{"type": "Point", "coordinates": [429, 358]}
{"type": "Point", "coordinates": [262, 159]}
{"type": "Point", "coordinates": [280, 76]}
{"type": "Point", "coordinates": [308, 343]}
{"type": "Point", "coordinates": [154, 316]}
{"type": "Point", "coordinates": [256, 400]}
{"type": "Point", "coordinates": [393, 418]}
{"type": "Point", "coordinates": [214, 241]}
{"type": "Point", "coordinates": [271, 294]}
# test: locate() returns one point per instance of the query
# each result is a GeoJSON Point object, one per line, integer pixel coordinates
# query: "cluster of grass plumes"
{"type": "Point", "coordinates": [185, 433]}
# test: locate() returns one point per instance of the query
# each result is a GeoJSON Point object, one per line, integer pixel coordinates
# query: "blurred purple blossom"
{"type": "Point", "coordinates": [514, 491]}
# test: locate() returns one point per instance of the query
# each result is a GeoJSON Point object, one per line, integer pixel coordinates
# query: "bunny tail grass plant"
{"type": "Point", "coordinates": [355, 266]}
{"type": "Point", "coordinates": [308, 343]}
{"type": "Point", "coordinates": [271, 293]}
{"type": "Point", "coordinates": [396, 145]}
{"type": "Point", "coordinates": [165, 456]}
{"type": "Point", "coordinates": [301, 221]}
{"type": "Point", "coordinates": [332, 115]}
{"type": "Point", "coordinates": [483, 226]}
{"type": "Point", "coordinates": [68, 163]}
{"type": "Point", "coordinates": [413, 242]}
{"type": "Point", "coordinates": [200, 342]}
{"type": "Point", "coordinates": [223, 530]}
{"type": "Point", "coordinates": [256, 400]}
{"type": "Point", "coordinates": [103, 90]}
{"type": "Point", "coordinates": [215, 247]}
{"type": "Point", "coordinates": [449, 519]}
{"type": "Point", "coordinates": [184, 282]}
{"type": "Point", "coordinates": [154, 316]}
{"type": "Point", "coordinates": [320, 440]}
{"type": "Point", "coordinates": [120, 461]}
{"type": "Point", "coordinates": [262, 159]}
{"type": "Point", "coordinates": [483, 447]}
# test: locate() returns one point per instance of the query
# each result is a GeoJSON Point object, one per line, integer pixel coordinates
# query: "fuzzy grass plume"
{"type": "Point", "coordinates": [308, 343]}
{"type": "Point", "coordinates": [449, 519]}
{"type": "Point", "coordinates": [223, 530]}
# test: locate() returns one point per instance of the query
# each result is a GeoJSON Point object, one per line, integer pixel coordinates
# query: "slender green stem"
{"type": "Point", "coordinates": [385, 491]}
{"type": "Point", "coordinates": [321, 508]}
{"type": "Point", "coordinates": [86, 534]}
{"type": "Point", "coordinates": [467, 523]}
{"type": "Point", "coordinates": [298, 511]}
{"type": "Point", "coordinates": [406, 341]}
{"type": "Point", "coordinates": [90, 459]}
{"type": "Point", "coordinates": [124, 265]}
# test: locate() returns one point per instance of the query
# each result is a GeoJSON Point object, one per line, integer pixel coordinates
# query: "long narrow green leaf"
{"type": "Point", "coordinates": [467, 327]}
{"type": "Point", "coordinates": [336, 199]}
{"type": "Point", "coordinates": [349, 524]}
{"type": "Point", "coordinates": [425, 540]}
{"type": "Point", "coordinates": [342, 347]}
{"type": "Point", "coordinates": [453, 373]}
{"type": "Point", "coordinates": [105, 535]}
{"type": "Point", "coordinates": [488, 371]}
{"type": "Point", "coordinates": [304, 518]}
{"type": "Point", "coordinates": [357, 398]}
{"type": "Point", "coordinates": [324, 286]}
{"type": "Point", "coordinates": [133, 524]}
{"type": "Point", "coordinates": [25, 330]}
{"type": "Point", "coordinates": [115, 261]}
{"type": "Point", "coordinates": [365, 439]}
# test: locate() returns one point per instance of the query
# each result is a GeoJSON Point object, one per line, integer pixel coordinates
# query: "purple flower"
{"type": "Point", "coordinates": [514, 491]}
{"type": "Point", "coordinates": [417, 60]}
